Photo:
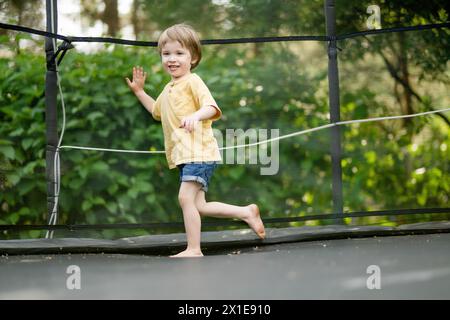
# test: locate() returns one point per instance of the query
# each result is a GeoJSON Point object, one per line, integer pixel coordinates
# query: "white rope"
{"type": "Point", "coordinates": [297, 133]}
{"type": "Point", "coordinates": [394, 117]}
{"type": "Point", "coordinates": [110, 150]}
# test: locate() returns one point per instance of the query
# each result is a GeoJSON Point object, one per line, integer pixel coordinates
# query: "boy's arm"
{"type": "Point", "coordinates": [205, 113]}
{"type": "Point", "coordinates": [208, 107]}
{"type": "Point", "coordinates": [147, 101]}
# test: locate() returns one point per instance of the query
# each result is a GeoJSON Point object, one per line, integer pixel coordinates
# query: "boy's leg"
{"type": "Point", "coordinates": [249, 214]}
{"type": "Point", "coordinates": [191, 217]}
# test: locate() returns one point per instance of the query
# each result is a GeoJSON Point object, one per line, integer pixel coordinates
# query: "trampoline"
{"type": "Point", "coordinates": [339, 260]}
{"type": "Point", "coordinates": [290, 265]}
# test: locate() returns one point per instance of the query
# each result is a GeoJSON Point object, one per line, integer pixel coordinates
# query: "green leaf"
{"type": "Point", "coordinates": [112, 207]}
{"type": "Point", "coordinates": [26, 186]}
{"type": "Point", "coordinates": [236, 172]}
{"type": "Point", "coordinates": [12, 178]}
{"type": "Point", "coordinates": [86, 205]}
{"type": "Point", "coordinates": [100, 167]}
{"type": "Point", "coordinates": [76, 183]}
{"type": "Point", "coordinates": [15, 133]}
{"type": "Point", "coordinates": [13, 218]}
{"type": "Point", "coordinates": [7, 151]}
{"type": "Point", "coordinates": [112, 189]}
{"type": "Point", "coordinates": [5, 142]}
{"type": "Point", "coordinates": [98, 200]}
{"type": "Point", "coordinates": [26, 143]}
{"type": "Point", "coordinates": [94, 115]}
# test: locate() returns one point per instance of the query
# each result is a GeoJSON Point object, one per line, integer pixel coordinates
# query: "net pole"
{"type": "Point", "coordinates": [333, 86]}
{"type": "Point", "coordinates": [51, 119]}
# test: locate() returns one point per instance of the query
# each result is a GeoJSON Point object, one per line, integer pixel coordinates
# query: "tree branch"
{"type": "Point", "coordinates": [407, 87]}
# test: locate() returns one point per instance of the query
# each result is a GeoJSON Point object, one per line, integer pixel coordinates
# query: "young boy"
{"type": "Point", "coordinates": [187, 109]}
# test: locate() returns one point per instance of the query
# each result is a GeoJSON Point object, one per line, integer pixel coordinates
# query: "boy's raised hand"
{"type": "Point", "coordinates": [138, 82]}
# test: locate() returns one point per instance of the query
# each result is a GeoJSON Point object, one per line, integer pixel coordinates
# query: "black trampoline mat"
{"type": "Point", "coordinates": [411, 267]}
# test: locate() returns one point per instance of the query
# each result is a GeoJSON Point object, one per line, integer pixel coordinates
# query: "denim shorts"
{"type": "Point", "coordinates": [200, 172]}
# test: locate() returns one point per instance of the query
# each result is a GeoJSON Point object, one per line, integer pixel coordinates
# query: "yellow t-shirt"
{"type": "Point", "coordinates": [179, 99]}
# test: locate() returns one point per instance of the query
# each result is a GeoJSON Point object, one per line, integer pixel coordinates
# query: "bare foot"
{"type": "Point", "coordinates": [255, 222]}
{"type": "Point", "coordinates": [188, 254]}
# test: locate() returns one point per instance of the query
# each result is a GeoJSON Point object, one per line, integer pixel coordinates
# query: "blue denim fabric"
{"type": "Point", "coordinates": [200, 172]}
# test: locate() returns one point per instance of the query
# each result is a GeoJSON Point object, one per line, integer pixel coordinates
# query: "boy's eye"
{"type": "Point", "coordinates": [179, 53]}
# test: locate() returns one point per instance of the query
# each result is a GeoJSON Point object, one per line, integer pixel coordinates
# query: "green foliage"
{"type": "Point", "coordinates": [22, 142]}
{"type": "Point", "coordinates": [384, 167]}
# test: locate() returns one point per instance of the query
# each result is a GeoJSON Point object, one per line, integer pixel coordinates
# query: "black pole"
{"type": "Point", "coordinates": [50, 108]}
{"type": "Point", "coordinates": [333, 87]}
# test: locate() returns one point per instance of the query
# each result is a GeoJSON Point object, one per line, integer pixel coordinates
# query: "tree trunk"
{"type": "Point", "coordinates": [407, 103]}
{"type": "Point", "coordinates": [110, 17]}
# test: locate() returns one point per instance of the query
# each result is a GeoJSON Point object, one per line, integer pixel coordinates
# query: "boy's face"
{"type": "Point", "coordinates": [176, 59]}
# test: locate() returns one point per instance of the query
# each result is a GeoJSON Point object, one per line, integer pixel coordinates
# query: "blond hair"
{"type": "Point", "coordinates": [187, 37]}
